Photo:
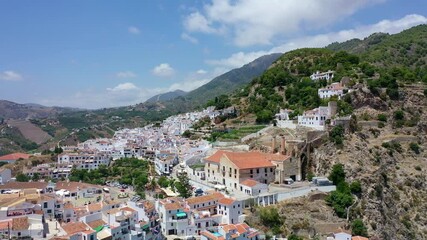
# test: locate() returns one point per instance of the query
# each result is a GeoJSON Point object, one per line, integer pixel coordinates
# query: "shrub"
{"type": "Point", "coordinates": [337, 134]}
{"type": "Point", "coordinates": [356, 187]}
{"type": "Point", "coordinates": [399, 115]}
{"type": "Point", "coordinates": [270, 217]}
{"type": "Point", "coordinates": [418, 168]}
{"type": "Point", "coordinates": [414, 147]}
{"type": "Point", "coordinates": [337, 175]}
{"type": "Point", "coordinates": [359, 228]}
{"type": "Point", "coordinates": [382, 117]}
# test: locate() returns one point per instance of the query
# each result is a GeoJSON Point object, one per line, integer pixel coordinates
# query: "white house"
{"type": "Point", "coordinates": [230, 210]}
{"type": "Point", "coordinates": [316, 118]}
{"type": "Point", "coordinates": [253, 188]}
{"type": "Point", "coordinates": [84, 160]}
{"type": "Point", "coordinates": [334, 89]}
{"type": "Point", "coordinates": [322, 75]}
{"type": "Point", "coordinates": [5, 175]}
{"type": "Point", "coordinates": [283, 120]}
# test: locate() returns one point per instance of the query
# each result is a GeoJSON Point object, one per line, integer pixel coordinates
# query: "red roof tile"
{"type": "Point", "coordinates": [14, 156]}
{"type": "Point", "coordinates": [249, 182]}
{"type": "Point", "coordinates": [226, 201]}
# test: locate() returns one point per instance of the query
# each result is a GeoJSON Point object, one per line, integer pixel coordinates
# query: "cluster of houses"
{"type": "Point", "coordinates": [316, 118]}
{"type": "Point", "coordinates": [26, 207]}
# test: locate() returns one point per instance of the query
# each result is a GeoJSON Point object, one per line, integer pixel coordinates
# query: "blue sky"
{"type": "Point", "coordinates": [105, 53]}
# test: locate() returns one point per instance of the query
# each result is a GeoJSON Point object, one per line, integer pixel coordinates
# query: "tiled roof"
{"type": "Point", "coordinates": [359, 238]}
{"type": "Point", "coordinates": [73, 186]}
{"type": "Point", "coordinates": [216, 156]}
{"type": "Point", "coordinates": [248, 160]}
{"type": "Point", "coordinates": [24, 185]}
{"type": "Point", "coordinates": [226, 201]}
{"type": "Point", "coordinates": [128, 209]}
{"type": "Point", "coordinates": [94, 207]}
{"type": "Point", "coordinates": [75, 227]}
{"type": "Point", "coordinates": [205, 198]}
{"type": "Point", "coordinates": [96, 223]}
{"type": "Point", "coordinates": [19, 224]}
{"type": "Point", "coordinates": [209, 235]}
{"type": "Point", "coordinates": [14, 156]}
{"type": "Point", "coordinates": [249, 182]}
{"type": "Point", "coordinates": [172, 206]}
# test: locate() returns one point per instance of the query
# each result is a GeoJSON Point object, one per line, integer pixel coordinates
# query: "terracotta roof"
{"type": "Point", "coordinates": [24, 185]}
{"type": "Point", "coordinates": [172, 206]}
{"type": "Point", "coordinates": [96, 223]}
{"type": "Point", "coordinates": [216, 156]}
{"type": "Point", "coordinates": [248, 160]}
{"type": "Point", "coordinates": [68, 205]}
{"type": "Point", "coordinates": [75, 227]}
{"type": "Point", "coordinates": [249, 182]}
{"type": "Point", "coordinates": [94, 207]}
{"type": "Point", "coordinates": [359, 238]}
{"type": "Point", "coordinates": [209, 235]}
{"type": "Point", "coordinates": [227, 228]}
{"type": "Point", "coordinates": [19, 224]}
{"type": "Point", "coordinates": [5, 224]}
{"type": "Point", "coordinates": [128, 209]}
{"type": "Point", "coordinates": [73, 186]}
{"type": "Point", "coordinates": [14, 156]}
{"type": "Point", "coordinates": [205, 198]}
{"type": "Point", "coordinates": [226, 201]}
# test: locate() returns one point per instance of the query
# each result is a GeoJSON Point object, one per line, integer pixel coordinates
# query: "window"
{"type": "Point", "coordinates": [271, 169]}
{"type": "Point", "coordinates": [252, 171]}
{"type": "Point", "coordinates": [45, 205]}
{"type": "Point", "coordinates": [265, 169]}
{"type": "Point", "coordinates": [257, 170]}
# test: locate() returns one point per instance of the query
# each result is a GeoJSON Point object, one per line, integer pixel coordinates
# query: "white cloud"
{"type": "Point", "coordinates": [252, 22]}
{"type": "Point", "coordinates": [163, 70]}
{"type": "Point", "coordinates": [123, 87]}
{"type": "Point", "coordinates": [196, 22]}
{"type": "Point", "coordinates": [189, 38]}
{"type": "Point", "coordinates": [134, 30]}
{"type": "Point", "coordinates": [125, 74]}
{"type": "Point", "coordinates": [201, 71]}
{"type": "Point", "coordinates": [387, 26]}
{"type": "Point", "coordinates": [10, 76]}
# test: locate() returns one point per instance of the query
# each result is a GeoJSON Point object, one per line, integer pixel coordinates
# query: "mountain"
{"type": "Point", "coordinates": [167, 96]}
{"type": "Point", "coordinates": [382, 154]}
{"type": "Point", "coordinates": [14, 110]}
{"type": "Point", "coordinates": [232, 80]}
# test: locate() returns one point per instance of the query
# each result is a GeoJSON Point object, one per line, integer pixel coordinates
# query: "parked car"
{"type": "Point", "coordinates": [198, 192]}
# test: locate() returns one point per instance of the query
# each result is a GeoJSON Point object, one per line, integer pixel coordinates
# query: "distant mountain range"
{"type": "Point", "coordinates": [14, 110]}
{"type": "Point", "coordinates": [232, 80]}
{"type": "Point", "coordinates": [166, 96]}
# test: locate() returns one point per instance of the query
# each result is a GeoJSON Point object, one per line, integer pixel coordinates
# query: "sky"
{"type": "Point", "coordinates": [108, 53]}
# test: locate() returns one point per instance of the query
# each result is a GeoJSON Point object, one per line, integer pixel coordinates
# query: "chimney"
{"type": "Point", "coordinates": [283, 146]}
{"type": "Point", "coordinates": [273, 145]}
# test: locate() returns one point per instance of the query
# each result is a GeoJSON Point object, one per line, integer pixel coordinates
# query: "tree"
{"type": "Point", "coordinates": [183, 186]}
{"type": "Point", "coordinates": [163, 182]}
{"type": "Point", "coordinates": [337, 134]}
{"type": "Point", "coordinates": [270, 217]}
{"type": "Point", "coordinates": [36, 177]}
{"type": "Point", "coordinates": [58, 150]}
{"type": "Point", "coordinates": [359, 228]}
{"type": "Point", "coordinates": [294, 237]}
{"type": "Point", "coordinates": [22, 178]}
{"type": "Point", "coordinates": [337, 175]}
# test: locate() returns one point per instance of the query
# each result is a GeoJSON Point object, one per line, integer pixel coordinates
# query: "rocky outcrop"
{"type": "Point", "coordinates": [362, 97]}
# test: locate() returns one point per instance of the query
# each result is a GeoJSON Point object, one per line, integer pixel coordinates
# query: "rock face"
{"type": "Point", "coordinates": [393, 202]}
{"type": "Point", "coordinates": [363, 97]}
